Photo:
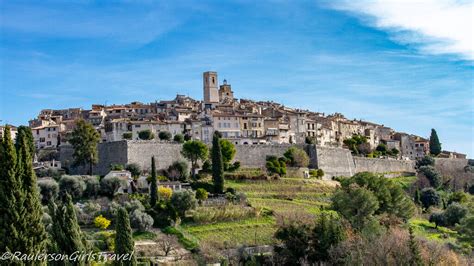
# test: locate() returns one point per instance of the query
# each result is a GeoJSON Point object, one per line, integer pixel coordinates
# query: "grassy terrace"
{"type": "Point", "coordinates": [424, 228]}
{"type": "Point", "coordinates": [253, 231]}
{"type": "Point", "coordinates": [405, 181]}
{"type": "Point", "coordinates": [284, 198]}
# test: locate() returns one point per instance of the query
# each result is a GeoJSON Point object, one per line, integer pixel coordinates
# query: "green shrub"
{"type": "Point", "coordinates": [248, 176]}
{"type": "Point", "coordinates": [183, 201]}
{"type": "Point", "coordinates": [201, 195]}
{"type": "Point", "coordinates": [127, 135]}
{"type": "Point", "coordinates": [429, 197]}
{"type": "Point", "coordinates": [92, 186]}
{"type": "Point", "coordinates": [134, 169]}
{"type": "Point", "coordinates": [297, 157]}
{"type": "Point", "coordinates": [454, 213]}
{"type": "Point", "coordinates": [179, 170]}
{"type": "Point", "coordinates": [117, 167]}
{"type": "Point", "coordinates": [179, 138]}
{"type": "Point", "coordinates": [164, 135]}
{"type": "Point", "coordinates": [146, 134]}
{"type": "Point", "coordinates": [316, 173]}
{"type": "Point", "coordinates": [73, 185]}
{"type": "Point", "coordinates": [104, 240]}
{"type": "Point", "coordinates": [49, 190]}
{"type": "Point", "coordinates": [425, 161]}
{"type": "Point", "coordinates": [457, 196]}
{"type": "Point", "coordinates": [109, 185]}
{"type": "Point", "coordinates": [141, 220]}
{"type": "Point", "coordinates": [432, 174]}
{"type": "Point", "coordinates": [276, 166]}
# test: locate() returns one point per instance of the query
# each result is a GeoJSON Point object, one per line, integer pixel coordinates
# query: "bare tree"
{"type": "Point", "coordinates": [167, 244]}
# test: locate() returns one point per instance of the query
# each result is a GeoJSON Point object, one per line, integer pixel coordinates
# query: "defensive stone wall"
{"type": "Point", "coordinates": [383, 165]}
{"type": "Point", "coordinates": [333, 161]}
{"type": "Point", "coordinates": [254, 156]}
{"type": "Point", "coordinates": [109, 153]}
{"type": "Point", "coordinates": [140, 152]}
{"type": "Point", "coordinates": [453, 167]}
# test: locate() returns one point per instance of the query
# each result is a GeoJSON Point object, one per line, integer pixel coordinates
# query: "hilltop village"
{"type": "Point", "coordinates": [228, 181]}
{"type": "Point", "coordinates": [242, 121]}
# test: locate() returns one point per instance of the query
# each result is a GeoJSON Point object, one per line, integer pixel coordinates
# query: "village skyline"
{"type": "Point", "coordinates": [389, 68]}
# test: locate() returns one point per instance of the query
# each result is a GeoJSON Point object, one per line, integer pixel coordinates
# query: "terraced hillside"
{"type": "Point", "coordinates": [273, 200]}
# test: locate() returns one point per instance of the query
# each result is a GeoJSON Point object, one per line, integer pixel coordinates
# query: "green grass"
{"type": "Point", "coordinates": [284, 197]}
{"type": "Point", "coordinates": [405, 181]}
{"type": "Point", "coordinates": [188, 241]}
{"type": "Point", "coordinates": [143, 235]}
{"type": "Point", "coordinates": [254, 231]}
{"type": "Point", "coordinates": [426, 229]}
{"type": "Point", "coordinates": [286, 206]}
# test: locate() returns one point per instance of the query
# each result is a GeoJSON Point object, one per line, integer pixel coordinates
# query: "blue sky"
{"type": "Point", "coordinates": [407, 66]}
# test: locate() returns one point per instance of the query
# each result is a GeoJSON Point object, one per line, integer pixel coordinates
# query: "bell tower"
{"type": "Point", "coordinates": [210, 87]}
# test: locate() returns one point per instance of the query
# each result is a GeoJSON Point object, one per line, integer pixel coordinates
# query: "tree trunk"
{"type": "Point", "coordinates": [193, 169]}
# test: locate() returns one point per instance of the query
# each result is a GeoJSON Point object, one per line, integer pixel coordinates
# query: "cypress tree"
{"type": "Point", "coordinates": [33, 230]}
{"type": "Point", "coordinates": [417, 197]}
{"type": "Point", "coordinates": [435, 145]}
{"type": "Point", "coordinates": [123, 239]}
{"type": "Point", "coordinates": [25, 132]}
{"type": "Point", "coordinates": [153, 186]}
{"type": "Point", "coordinates": [65, 229]}
{"type": "Point", "coordinates": [415, 259]}
{"type": "Point", "coordinates": [217, 165]}
{"type": "Point", "coordinates": [11, 197]}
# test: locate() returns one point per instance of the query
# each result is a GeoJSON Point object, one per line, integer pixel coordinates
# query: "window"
{"type": "Point", "coordinates": [48, 143]}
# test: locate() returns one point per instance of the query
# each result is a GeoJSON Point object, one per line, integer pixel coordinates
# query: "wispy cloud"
{"type": "Point", "coordinates": [432, 26]}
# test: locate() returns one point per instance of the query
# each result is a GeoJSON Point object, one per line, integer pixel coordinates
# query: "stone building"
{"type": "Point", "coordinates": [211, 92]}
{"type": "Point", "coordinates": [243, 121]}
{"type": "Point", "coordinates": [13, 131]}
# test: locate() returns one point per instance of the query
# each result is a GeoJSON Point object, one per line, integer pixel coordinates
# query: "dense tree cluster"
{"type": "Point", "coordinates": [21, 227]}
{"type": "Point", "coordinates": [365, 195]}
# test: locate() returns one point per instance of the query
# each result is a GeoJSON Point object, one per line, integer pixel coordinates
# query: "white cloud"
{"type": "Point", "coordinates": [433, 26]}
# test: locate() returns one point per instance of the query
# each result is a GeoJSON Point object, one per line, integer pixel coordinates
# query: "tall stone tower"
{"type": "Point", "coordinates": [211, 91]}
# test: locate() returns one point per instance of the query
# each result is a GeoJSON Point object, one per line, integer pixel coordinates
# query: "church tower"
{"type": "Point", "coordinates": [225, 92]}
{"type": "Point", "coordinates": [211, 91]}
